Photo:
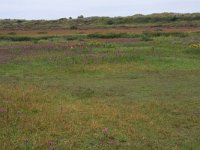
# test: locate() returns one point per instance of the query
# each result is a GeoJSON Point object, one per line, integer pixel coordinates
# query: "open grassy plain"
{"type": "Point", "coordinates": [103, 88]}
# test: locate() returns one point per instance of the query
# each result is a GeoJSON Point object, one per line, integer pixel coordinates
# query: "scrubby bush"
{"type": "Point", "coordinates": [146, 38]}
{"type": "Point", "coordinates": [174, 18]}
{"type": "Point", "coordinates": [62, 19]}
{"type": "Point", "coordinates": [73, 27]}
{"type": "Point", "coordinates": [110, 22]}
{"type": "Point", "coordinates": [80, 17]}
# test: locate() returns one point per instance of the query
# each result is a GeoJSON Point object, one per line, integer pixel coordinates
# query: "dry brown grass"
{"type": "Point", "coordinates": [100, 30]}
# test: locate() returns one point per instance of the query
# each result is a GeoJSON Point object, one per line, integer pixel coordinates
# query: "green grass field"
{"type": "Point", "coordinates": [93, 92]}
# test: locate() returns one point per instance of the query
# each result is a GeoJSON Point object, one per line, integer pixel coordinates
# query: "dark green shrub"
{"type": "Point", "coordinates": [80, 17]}
{"type": "Point", "coordinates": [73, 27]}
{"type": "Point", "coordinates": [146, 38]}
{"type": "Point", "coordinates": [110, 35]}
{"type": "Point", "coordinates": [19, 21]}
{"type": "Point", "coordinates": [174, 18]}
{"type": "Point", "coordinates": [62, 19]}
{"type": "Point", "coordinates": [165, 34]}
{"type": "Point", "coordinates": [15, 38]}
{"type": "Point", "coordinates": [11, 33]}
{"type": "Point", "coordinates": [110, 22]}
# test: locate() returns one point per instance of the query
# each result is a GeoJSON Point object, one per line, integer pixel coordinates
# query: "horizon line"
{"type": "Point", "coordinates": [142, 14]}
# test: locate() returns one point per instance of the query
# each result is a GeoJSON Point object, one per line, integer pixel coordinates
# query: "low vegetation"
{"type": "Point", "coordinates": [169, 19]}
{"type": "Point", "coordinates": [100, 90]}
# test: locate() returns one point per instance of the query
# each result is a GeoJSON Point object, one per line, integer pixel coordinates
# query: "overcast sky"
{"type": "Point", "coordinates": [55, 9]}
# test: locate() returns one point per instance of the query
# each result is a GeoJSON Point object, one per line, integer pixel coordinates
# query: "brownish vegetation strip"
{"type": "Point", "coordinates": [4, 56]}
{"type": "Point", "coordinates": [8, 52]}
{"type": "Point", "coordinates": [38, 46]}
{"type": "Point", "coordinates": [99, 30]}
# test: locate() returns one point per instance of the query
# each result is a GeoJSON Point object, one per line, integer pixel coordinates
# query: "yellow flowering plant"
{"type": "Point", "coordinates": [195, 45]}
